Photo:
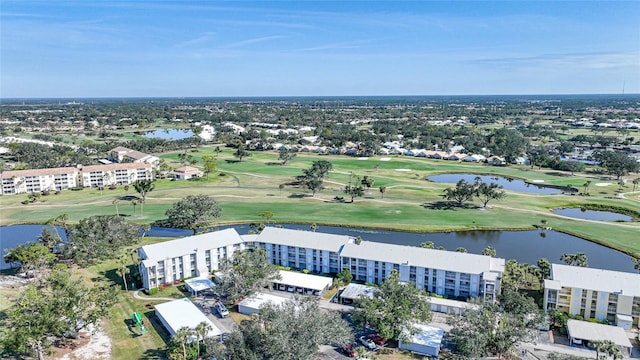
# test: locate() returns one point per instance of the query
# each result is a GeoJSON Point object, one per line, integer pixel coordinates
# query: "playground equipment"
{"type": "Point", "coordinates": [136, 318]}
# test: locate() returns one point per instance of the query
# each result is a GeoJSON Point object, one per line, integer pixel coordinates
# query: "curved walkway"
{"type": "Point", "coordinates": [137, 296]}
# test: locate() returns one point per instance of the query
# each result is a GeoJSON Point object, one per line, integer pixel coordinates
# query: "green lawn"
{"type": "Point", "coordinates": [244, 189]}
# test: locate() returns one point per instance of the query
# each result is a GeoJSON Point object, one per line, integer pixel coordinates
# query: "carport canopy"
{"type": "Point", "coordinates": [196, 285]}
{"type": "Point", "coordinates": [584, 330]}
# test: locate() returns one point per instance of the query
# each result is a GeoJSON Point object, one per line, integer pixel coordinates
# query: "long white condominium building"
{"type": "Point", "coordinates": [594, 293]}
{"type": "Point", "coordinates": [52, 179]}
{"type": "Point", "coordinates": [436, 271]}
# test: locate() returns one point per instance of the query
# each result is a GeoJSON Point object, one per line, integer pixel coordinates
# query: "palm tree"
{"type": "Point", "coordinates": [586, 187]}
{"type": "Point", "coordinates": [201, 330]}
{"type": "Point", "coordinates": [182, 338]}
{"type": "Point", "coordinates": [489, 251]}
{"type": "Point", "coordinates": [143, 187]}
{"type": "Point", "coordinates": [134, 203]}
{"type": "Point", "coordinates": [428, 245]}
{"type": "Point", "coordinates": [116, 202]}
{"type": "Point", "coordinates": [123, 270]}
{"type": "Point", "coordinates": [635, 182]}
{"type": "Point", "coordinates": [382, 190]}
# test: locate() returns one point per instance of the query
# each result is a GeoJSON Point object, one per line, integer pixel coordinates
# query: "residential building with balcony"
{"type": "Point", "coordinates": [436, 271]}
{"type": "Point", "coordinates": [599, 294]}
{"type": "Point", "coordinates": [53, 179]}
{"type": "Point", "coordinates": [440, 272]}
{"type": "Point", "coordinates": [191, 256]}
{"type": "Point", "coordinates": [305, 250]}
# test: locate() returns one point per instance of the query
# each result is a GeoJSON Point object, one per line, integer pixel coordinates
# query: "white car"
{"type": "Point", "coordinates": [367, 343]}
{"type": "Point", "coordinates": [222, 310]}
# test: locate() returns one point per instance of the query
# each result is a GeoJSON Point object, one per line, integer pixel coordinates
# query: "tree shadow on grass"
{"type": "Point", "coordinates": [231, 161]}
{"type": "Point", "coordinates": [439, 205]}
{"type": "Point", "coordinates": [153, 354]}
{"type": "Point", "coordinates": [297, 196]}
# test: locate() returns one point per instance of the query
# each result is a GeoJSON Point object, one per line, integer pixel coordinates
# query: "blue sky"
{"type": "Point", "coordinates": [317, 48]}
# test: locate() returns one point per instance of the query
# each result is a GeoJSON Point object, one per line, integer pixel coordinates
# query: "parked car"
{"type": "Point", "coordinates": [379, 340]}
{"type": "Point", "coordinates": [347, 350]}
{"type": "Point", "coordinates": [367, 343]}
{"type": "Point", "coordinates": [222, 310]}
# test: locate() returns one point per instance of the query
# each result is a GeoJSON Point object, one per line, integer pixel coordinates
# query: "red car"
{"type": "Point", "coordinates": [347, 350]}
{"type": "Point", "coordinates": [377, 339]}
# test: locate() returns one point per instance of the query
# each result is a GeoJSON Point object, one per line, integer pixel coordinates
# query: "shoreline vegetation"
{"type": "Point", "coordinates": [410, 202]}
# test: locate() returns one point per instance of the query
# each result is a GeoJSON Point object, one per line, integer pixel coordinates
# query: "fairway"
{"type": "Point", "coordinates": [259, 183]}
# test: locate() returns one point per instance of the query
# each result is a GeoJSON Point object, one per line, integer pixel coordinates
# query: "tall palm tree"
{"type": "Point", "coordinates": [143, 187]}
{"type": "Point", "coordinates": [201, 330]}
{"type": "Point", "coordinates": [116, 202]}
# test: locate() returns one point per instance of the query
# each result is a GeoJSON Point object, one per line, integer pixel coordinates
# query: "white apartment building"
{"type": "Point", "coordinates": [608, 295]}
{"type": "Point", "coordinates": [53, 179]}
{"type": "Point", "coordinates": [122, 154]}
{"type": "Point", "coordinates": [191, 256]}
{"type": "Point", "coordinates": [437, 271]}
{"type": "Point", "coordinates": [298, 249]}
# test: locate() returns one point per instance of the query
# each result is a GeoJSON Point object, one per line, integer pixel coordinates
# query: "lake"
{"type": "Point", "coordinates": [523, 246]}
{"type": "Point", "coordinates": [14, 235]}
{"type": "Point", "coordinates": [579, 213]}
{"type": "Point", "coordinates": [506, 183]}
{"type": "Point", "coordinates": [170, 134]}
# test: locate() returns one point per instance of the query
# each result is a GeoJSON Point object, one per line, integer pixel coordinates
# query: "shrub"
{"type": "Point", "coordinates": [112, 187]}
{"type": "Point", "coordinates": [57, 192]}
{"type": "Point", "coordinates": [46, 192]}
{"type": "Point", "coordinates": [25, 202]}
{"type": "Point", "coordinates": [152, 291]}
{"type": "Point", "coordinates": [77, 188]}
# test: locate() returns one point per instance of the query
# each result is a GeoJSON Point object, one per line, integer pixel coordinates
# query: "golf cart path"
{"type": "Point", "coordinates": [137, 296]}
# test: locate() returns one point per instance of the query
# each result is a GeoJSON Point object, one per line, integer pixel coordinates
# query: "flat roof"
{"type": "Point", "coordinates": [427, 258]}
{"type": "Point", "coordinates": [353, 291]}
{"type": "Point", "coordinates": [182, 312]}
{"type": "Point", "coordinates": [200, 284]}
{"type": "Point", "coordinates": [187, 245]}
{"type": "Point", "coordinates": [303, 239]}
{"type": "Point", "coordinates": [452, 303]}
{"type": "Point", "coordinates": [552, 284]}
{"type": "Point", "coordinates": [306, 281]}
{"type": "Point", "coordinates": [257, 301]}
{"type": "Point", "coordinates": [427, 336]}
{"type": "Point", "coordinates": [622, 283]}
{"type": "Point", "coordinates": [593, 332]}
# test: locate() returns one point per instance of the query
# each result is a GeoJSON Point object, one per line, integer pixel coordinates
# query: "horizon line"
{"type": "Point", "coordinates": [310, 96]}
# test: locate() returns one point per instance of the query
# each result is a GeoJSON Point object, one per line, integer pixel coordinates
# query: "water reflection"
{"type": "Point", "coordinates": [523, 246]}
{"type": "Point", "coordinates": [507, 183]}
{"type": "Point", "coordinates": [581, 213]}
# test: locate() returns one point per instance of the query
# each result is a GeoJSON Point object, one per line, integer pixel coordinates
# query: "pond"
{"type": "Point", "coordinates": [506, 183]}
{"type": "Point", "coordinates": [170, 134]}
{"type": "Point", "coordinates": [523, 246]}
{"type": "Point", "coordinates": [14, 235]}
{"type": "Point", "coordinates": [579, 213]}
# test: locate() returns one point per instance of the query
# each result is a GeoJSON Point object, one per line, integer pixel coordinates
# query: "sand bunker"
{"type": "Point", "coordinates": [537, 181]}
{"type": "Point", "coordinates": [363, 158]}
{"type": "Point", "coordinates": [385, 159]}
{"type": "Point", "coordinates": [602, 184]}
{"type": "Point", "coordinates": [403, 169]}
